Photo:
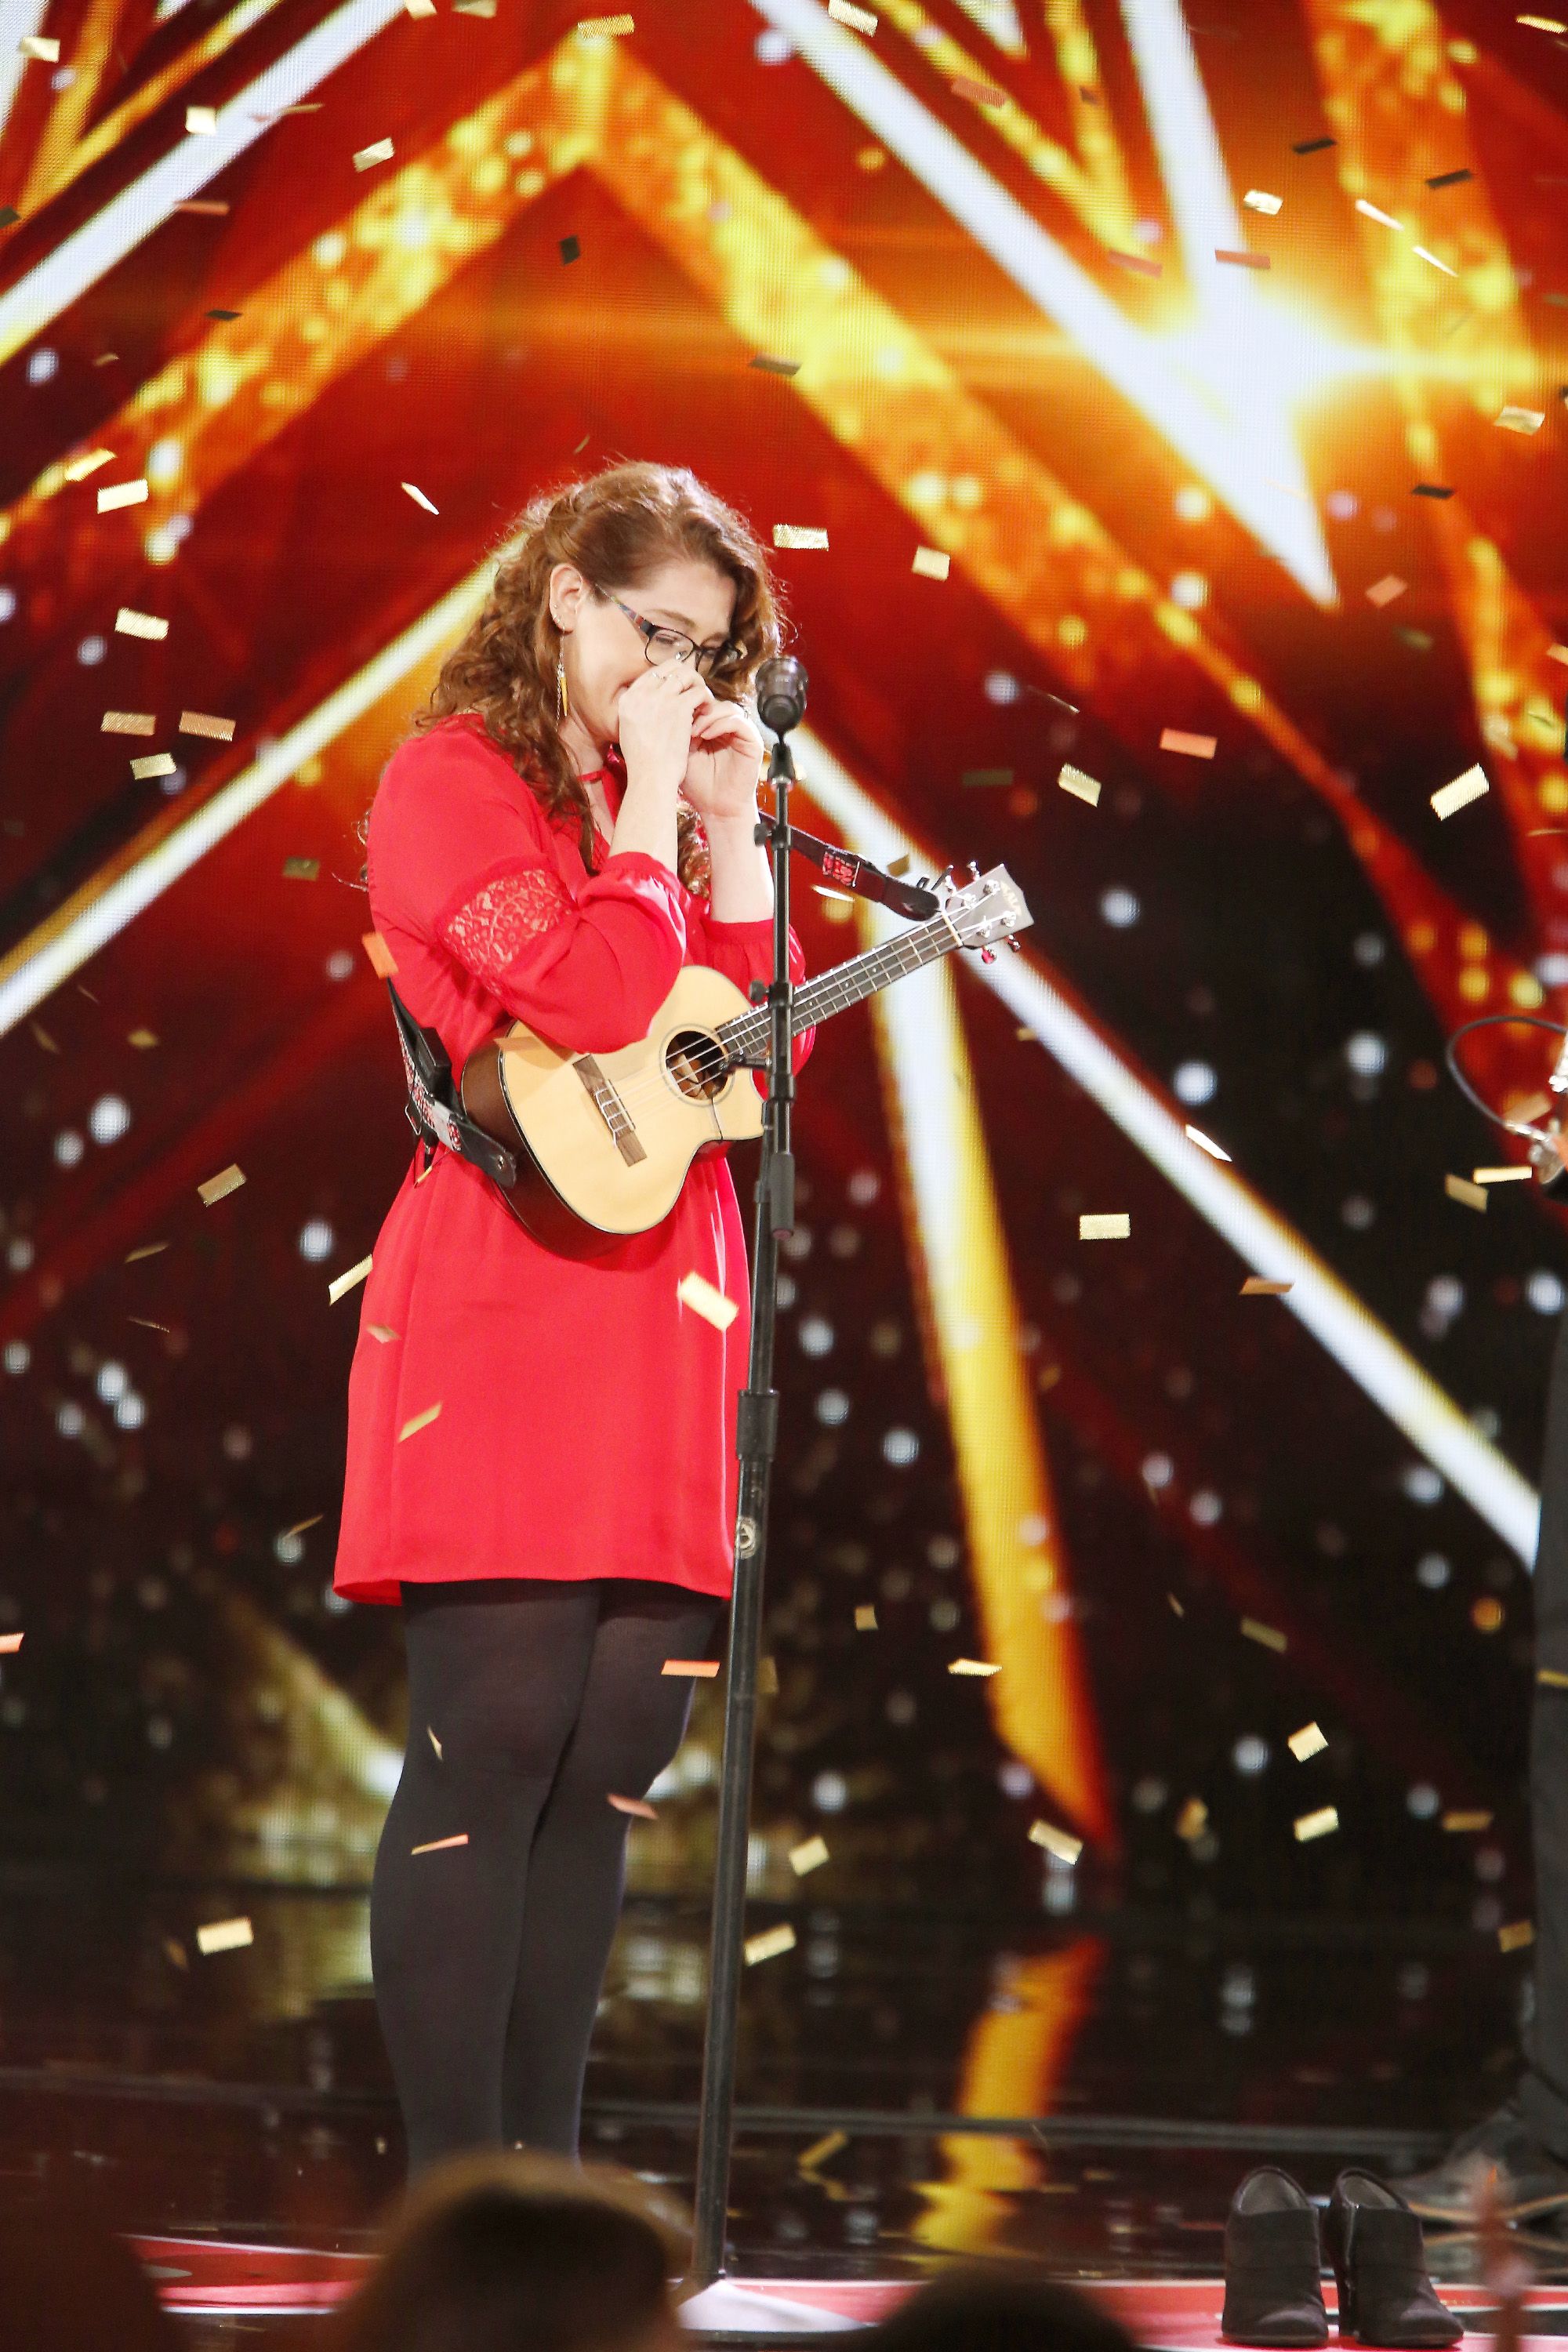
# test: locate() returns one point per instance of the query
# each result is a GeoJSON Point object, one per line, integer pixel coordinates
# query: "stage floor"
{"type": "Point", "coordinates": [1085, 2090]}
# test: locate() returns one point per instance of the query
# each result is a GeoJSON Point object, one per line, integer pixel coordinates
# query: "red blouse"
{"type": "Point", "coordinates": [587, 1418]}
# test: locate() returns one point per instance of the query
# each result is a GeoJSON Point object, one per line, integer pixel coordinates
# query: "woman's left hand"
{"type": "Point", "coordinates": [726, 764]}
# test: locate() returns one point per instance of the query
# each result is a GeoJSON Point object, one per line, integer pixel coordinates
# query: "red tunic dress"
{"type": "Point", "coordinates": [587, 1420]}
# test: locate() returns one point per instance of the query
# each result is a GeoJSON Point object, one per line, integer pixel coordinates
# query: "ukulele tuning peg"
{"type": "Point", "coordinates": [1015, 943]}
{"type": "Point", "coordinates": [974, 870]}
{"type": "Point", "coordinates": [987, 955]}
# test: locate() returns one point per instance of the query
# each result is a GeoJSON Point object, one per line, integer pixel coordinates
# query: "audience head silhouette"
{"type": "Point", "coordinates": [970, 2309]}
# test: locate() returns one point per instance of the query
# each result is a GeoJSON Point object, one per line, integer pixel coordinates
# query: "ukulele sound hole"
{"type": "Point", "coordinates": [695, 1060]}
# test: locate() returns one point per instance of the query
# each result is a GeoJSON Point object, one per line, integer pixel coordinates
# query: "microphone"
{"type": "Point", "coordinates": [1558, 1081]}
{"type": "Point", "coordinates": [781, 694]}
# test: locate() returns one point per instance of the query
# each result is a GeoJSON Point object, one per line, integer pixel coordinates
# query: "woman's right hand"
{"type": "Point", "coordinates": [654, 721]}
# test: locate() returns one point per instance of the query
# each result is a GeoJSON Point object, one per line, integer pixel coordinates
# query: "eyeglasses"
{"type": "Point", "coordinates": [662, 645]}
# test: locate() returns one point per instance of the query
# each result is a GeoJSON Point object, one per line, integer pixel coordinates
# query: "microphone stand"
{"type": "Point", "coordinates": [757, 1438]}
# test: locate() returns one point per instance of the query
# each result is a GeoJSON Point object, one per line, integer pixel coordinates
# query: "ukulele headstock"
{"type": "Point", "coordinates": [989, 908]}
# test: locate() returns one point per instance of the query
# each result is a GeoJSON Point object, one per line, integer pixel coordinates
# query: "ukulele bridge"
{"type": "Point", "coordinates": [610, 1109]}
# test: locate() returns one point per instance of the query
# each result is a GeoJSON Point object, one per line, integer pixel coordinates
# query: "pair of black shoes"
{"type": "Point", "coordinates": [1273, 2267]}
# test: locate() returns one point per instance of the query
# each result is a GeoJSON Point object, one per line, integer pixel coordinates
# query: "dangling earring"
{"type": "Point", "coordinates": [563, 700]}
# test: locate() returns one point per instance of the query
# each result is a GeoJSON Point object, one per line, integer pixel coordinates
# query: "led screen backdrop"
{"type": "Point", "coordinates": [1179, 397]}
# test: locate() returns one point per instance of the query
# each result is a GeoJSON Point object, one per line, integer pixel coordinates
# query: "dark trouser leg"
{"type": "Point", "coordinates": [1543, 2095]}
{"type": "Point", "coordinates": [631, 1721]}
{"type": "Point", "coordinates": [496, 1671]}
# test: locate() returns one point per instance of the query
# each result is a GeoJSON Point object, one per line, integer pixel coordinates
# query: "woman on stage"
{"type": "Point", "coordinates": [569, 823]}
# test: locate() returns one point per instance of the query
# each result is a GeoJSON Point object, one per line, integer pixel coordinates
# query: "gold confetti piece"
{"type": "Point", "coordinates": [1372, 212]}
{"type": "Point", "coordinates": [1138, 261]}
{"type": "Point", "coordinates": [1309, 1741]}
{"type": "Point", "coordinates": [420, 1420]}
{"type": "Point", "coordinates": [346, 1282]}
{"type": "Point", "coordinates": [604, 28]}
{"type": "Point", "coordinates": [175, 1954]}
{"type": "Point", "coordinates": [379, 151]}
{"type": "Point", "coordinates": [1384, 592]}
{"type": "Point", "coordinates": [809, 1854]}
{"type": "Point", "coordinates": [300, 1525]}
{"type": "Point", "coordinates": [765, 364]}
{"type": "Point", "coordinates": [1205, 1143]}
{"type": "Point", "coordinates": [859, 20]}
{"type": "Point", "coordinates": [1464, 789]}
{"type": "Point", "coordinates": [932, 562]}
{"type": "Point", "coordinates": [202, 722]}
{"type": "Point", "coordinates": [1258, 200]}
{"type": "Point", "coordinates": [866, 1619]}
{"type": "Point", "coordinates": [419, 499]}
{"type": "Point", "coordinates": [1554, 1680]}
{"type": "Point", "coordinates": [1258, 1286]}
{"type": "Point", "coordinates": [473, 7]}
{"type": "Point", "coordinates": [383, 1331]}
{"type": "Point", "coordinates": [796, 534]}
{"type": "Point", "coordinates": [42, 46]}
{"type": "Point", "coordinates": [148, 1249]}
{"type": "Point", "coordinates": [381, 960]}
{"type": "Point", "coordinates": [80, 468]}
{"type": "Point", "coordinates": [1197, 746]}
{"type": "Point", "coordinates": [129, 722]}
{"type": "Point", "coordinates": [1193, 1820]}
{"type": "Point", "coordinates": [131, 623]}
{"type": "Point", "coordinates": [984, 93]}
{"type": "Point", "coordinates": [435, 1744]}
{"type": "Point", "coordinates": [972, 1666]}
{"type": "Point", "coordinates": [1322, 1823]}
{"type": "Point", "coordinates": [767, 1678]}
{"type": "Point", "coordinates": [1501, 1175]}
{"type": "Point", "coordinates": [419, 7]}
{"type": "Point", "coordinates": [1268, 1636]}
{"type": "Point", "coordinates": [122, 493]}
{"type": "Point", "coordinates": [218, 1188]}
{"type": "Point", "coordinates": [440, 1846]}
{"type": "Point", "coordinates": [1541, 24]}
{"type": "Point", "coordinates": [147, 1323]}
{"type": "Point", "coordinates": [1114, 1225]}
{"type": "Point", "coordinates": [143, 1040]}
{"type": "Point", "coordinates": [703, 1668]}
{"type": "Point", "coordinates": [1175, 1604]}
{"type": "Point", "coordinates": [637, 1805]}
{"type": "Point", "coordinates": [224, 1935]}
{"type": "Point", "coordinates": [201, 121]}
{"type": "Point", "coordinates": [10, 1644]}
{"type": "Point", "coordinates": [1515, 1937]}
{"type": "Point", "coordinates": [1055, 1841]}
{"type": "Point", "coordinates": [42, 1037]}
{"type": "Point", "coordinates": [694, 1291]}
{"type": "Point", "coordinates": [902, 864]}
{"type": "Point", "coordinates": [156, 764]}
{"type": "Point", "coordinates": [1521, 420]}
{"type": "Point", "coordinates": [820, 2150]}
{"type": "Point", "coordinates": [1435, 261]}
{"type": "Point", "coordinates": [1082, 788]}
{"type": "Point", "coordinates": [768, 1946]}
{"type": "Point", "coordinates": [1458, 1188]}
{"type": "Point", "coordinates": [1242, 260]}
{"type": "Point", "coordinates": [1459, 1823]}
{"type": "Point", "coordinates": [301, 869]}
{"type": "Point", "coordinates": [200, 205]}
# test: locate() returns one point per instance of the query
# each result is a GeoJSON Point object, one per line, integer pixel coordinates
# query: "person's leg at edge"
{"type": "Point", "coordinates": [497, 1669]}
{"type": "Point", "coordinates": [632, 1719]}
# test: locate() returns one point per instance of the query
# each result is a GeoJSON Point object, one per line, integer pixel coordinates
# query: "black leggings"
{"type": "Point", "coordinates": [530, 1704]}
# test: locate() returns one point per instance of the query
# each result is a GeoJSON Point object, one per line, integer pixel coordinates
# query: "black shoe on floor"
{"type": "Point", "coordinates": [1273, 2264]}
{"type": "Point", "coordinates": [1529, 2179]}
{"type": "Point", "coordinates": [1380, 2269]}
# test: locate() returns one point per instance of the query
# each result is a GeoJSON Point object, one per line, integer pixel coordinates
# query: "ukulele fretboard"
{"type": "Point", "coordinates": [848, 984]}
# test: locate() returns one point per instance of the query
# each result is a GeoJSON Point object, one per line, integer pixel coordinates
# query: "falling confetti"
{"type": "Point", "coordinates": [1312, 146]}
{"type": "Point", "coordinates": [440, 1846]}
{"type": "Point", "coordinates": [218, 1188]}
{"type": "Point", "coordinates": [80, 468]}
{"type": "Point", "coordinates": [1258, 200]}
{"type": "Point", "coordinates": [1502, 1175]}
{"type": "Point", "coordinates": [1471, 1196]}
{"type": "Point", "coordinates": [570, 248]}
{"type": "Point", "coordinates": [129, 722]}
{"type": "Point", "coordinates": [1521, 420]}
{"type": "Point", "coordinates": [766, 365]}
{"type": "Point", "coordinates": [810, 1854]}
{"type": "Point", "coordinates": [1258, 1286]}
{"type": "Point", "coordinates": [123, 494]}
{"type": "Point", "coordinates": [201, 121]}
{"type": "Point", "coordinates": [972, 1666]}
{"type": "Point", "coordinates": [1242, 260]}
{"type": "Point", "coordinates": [1055, 1841]}
{"type": "Point", "coordinates": [1430, 491]}
{"type": "Point", "coordinates": [1135, 261]}
{"type": "Point", "coordinates": [1193, 1820]}
{"type": "Point", "coordinates": [1450, 179]}
{"type": "Point", "coordinates": [420, 1421]}
{"type": "Point", "coordinates": [419, 499]}
{"type": "Point", "coordinates": [820, 2150]}
{"type": "Point", "coordinates": [1462, 1824]}
{"type": "Point", "coordinates": [859, 20]}
{"type": "Point", "coordinates": [346, 1282]}
{"type": "Point", "coordinates": [983, 93]}
{"type": "Point", "coordinates": [1384, 592]}
{"type": "Point", "coordinates": [637, 1805]}
{"type": "Point", "coordinates": [769, 1944]}
{"type": "Point", "coordinates": [202, 722]}
{"type": "Point", "coordinates": [435, 1744]}
{"type": "Point", "coordinates": [9, 1644]}
{"type": "Point", "coordinates": [1109, 1226]}
{"type": "Point", "coordinates": [1471, 786]}
{"type": "Point", "coordinates": [1082, 788]}
{"type": "Point", "coordinates": [604, 28]}
{"type": "Point", "coordinates": [932, 562]}
{"type": "Point", "coordinates": [382, 1331]}
{"type": "Point", "coordinates": [1371, 212]}
{"type": "Point", "coordinates": [224, 1935]}
{"type": "Point", "coordinates": [40, 45]}
{"type": "Point", "coordinates": [381, 960]}
{"type": "Point", "coordinates": [1205, 1143]}
{"type": "Point", "coordinates": [131, 623]}
{"type": "Point", "coordinates": [1197, 746]}
{"type": "Point", "coordinates": [703, 1668]}
{"type": "Point", "coordinates": [1322, 1823]}
{"type": "Point", "coordinates": [366, 158]}
{"type": "Point", "coordinates": [1268, 1637]}
{"type": "Point", "coordinates": [1515, 1937]}
{"type": "Point", "coordinates": [866, 1620]}
{"type": "Point", "coordinates": [694, 1291]}
{"type": "Point", "coordinates": [1307, 1742]}
{"type": "Point", "coordinates": [794, 534]}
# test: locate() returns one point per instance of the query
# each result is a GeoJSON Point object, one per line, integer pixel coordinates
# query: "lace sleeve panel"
{"type": "Point", "coordinates": [491, 929]}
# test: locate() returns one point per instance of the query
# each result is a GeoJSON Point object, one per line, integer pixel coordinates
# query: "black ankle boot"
{"type": "Point", "coordinates": [1380, 2267]}
{"type": "Point", "coordinates": [1273, 2289]}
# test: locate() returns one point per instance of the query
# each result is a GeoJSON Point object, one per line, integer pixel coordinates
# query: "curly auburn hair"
{"type": "Point", "coordinates": [617, 527]}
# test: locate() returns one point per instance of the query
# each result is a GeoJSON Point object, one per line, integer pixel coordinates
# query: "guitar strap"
{"type": "Point", "coordinates": [433, 1108]}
